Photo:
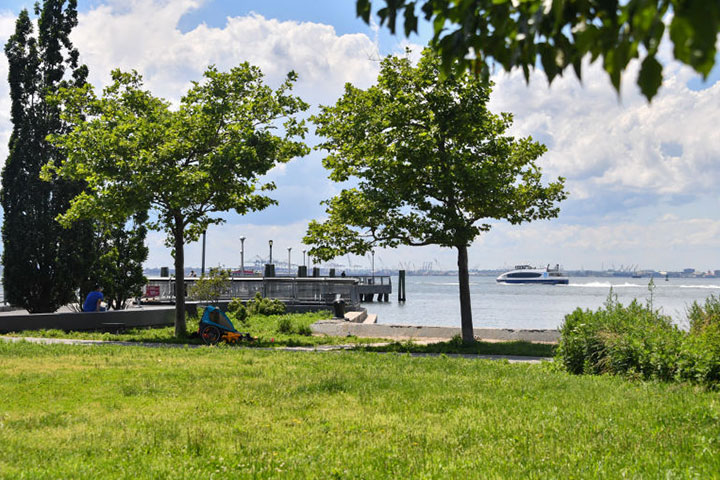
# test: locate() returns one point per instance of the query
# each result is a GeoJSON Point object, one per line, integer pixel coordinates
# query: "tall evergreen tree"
{"type": "Point", "coordinates": [43, 262]}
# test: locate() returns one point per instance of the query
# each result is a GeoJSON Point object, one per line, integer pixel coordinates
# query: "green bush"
{"type": "Point", "coordinates": [209, 288]}
{"type": "Point", "coordinates": [700, 357]}
{"type": "Point", "coordinates": [285, 325]}
{"type": "Point", "coordinates": [638, 341]}
{"type": "Point", "coordinates": [288, 326]}
{"type": "Point", "coordinates": [265, 306]}
{"type": "Point", "coordinates": [304, 330]}
{"type": "Point", "coordinates": [702, 317]}
{"type": "Point", "coordinates": [238, 310]}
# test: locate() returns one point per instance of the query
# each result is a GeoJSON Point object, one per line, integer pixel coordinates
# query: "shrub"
{"type": "Point", "coordinates": [285, 325]}
{"type": "Point", "coordinates": [238, 310]}
{"type": "Point", "coordinates": [304, 330]}
{"type": "Point", "coordinates": [639, 341]}
{"type": "Point", "coordinates": [210, 288]}
{"type": "Point", "coordinates": [633, 339]}
{"type": "Point", "coordinates": [702, 317]}
{"type": "Point", "coordinates": [700, 355]}
{"type": "Point", "coordinates": [265, 306]}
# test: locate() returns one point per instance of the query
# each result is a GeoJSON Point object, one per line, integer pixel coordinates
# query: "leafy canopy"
{"type": "Point", "coordinates": [136, 152]}
{"type": "Point", "coordinates": [431, 163]}
{"type": "Point", "coordinates": [514, 33]}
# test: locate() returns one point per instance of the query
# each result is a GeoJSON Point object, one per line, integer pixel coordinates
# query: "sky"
{"type": "Point", "coordinates": [643, 178]}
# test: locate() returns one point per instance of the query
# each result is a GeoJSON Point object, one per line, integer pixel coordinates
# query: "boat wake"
{"type": "Point", "coordinates": [606, 285]}
{"type": "Point", "coordinates": [707, 287]}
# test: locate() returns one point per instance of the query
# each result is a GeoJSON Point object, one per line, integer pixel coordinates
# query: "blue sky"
{"type": "Point", "coordinates": [642, 178]}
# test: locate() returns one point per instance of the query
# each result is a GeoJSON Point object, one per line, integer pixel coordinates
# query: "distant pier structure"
{"type": "Point", "coordinates": [371, 286]}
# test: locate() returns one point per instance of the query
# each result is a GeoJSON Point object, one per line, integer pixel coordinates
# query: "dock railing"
{"type": "Point", "coordinates": [373, 279]}
{"type": "Point", "coordinates": [323, 290]}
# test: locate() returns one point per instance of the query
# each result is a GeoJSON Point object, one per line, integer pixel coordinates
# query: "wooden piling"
{"type": "Point", "coordinates": [401, 286]}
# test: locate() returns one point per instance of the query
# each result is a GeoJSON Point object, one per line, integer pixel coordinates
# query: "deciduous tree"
{"type": "Point", "coordinates": [432, 165]}
{"type": "Point", "coordinates": [118, 267]}
{"type": "Point", "coordinates": [474, 34]}
{"type": "Point", "coordinates": [207, 155]}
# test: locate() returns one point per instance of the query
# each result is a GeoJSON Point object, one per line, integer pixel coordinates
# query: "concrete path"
{"type": "Point", "coordinates": [318, 348]}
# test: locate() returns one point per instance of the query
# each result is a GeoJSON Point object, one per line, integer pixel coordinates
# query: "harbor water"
{"type": "Point", "coordinates": [434, 300]}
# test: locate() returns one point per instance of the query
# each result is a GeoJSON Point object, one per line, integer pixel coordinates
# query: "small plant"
{"type": "Point", "coordinates": [209, 288]}
{"type": "Point", "coordinates": [304, 330]}
{"type": "Point", "coordinates": [238, 310]}
{"type": "Point", "coordinates": [285, 325]}
{"type": "Point", "coordinates": [702, 317]}
{"type": "Point", "coordinates": [265, 306]}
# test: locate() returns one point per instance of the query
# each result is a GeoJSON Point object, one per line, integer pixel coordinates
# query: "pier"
{"type": "Point", "coordinates": [370, 286]}
{"type": "Point", "coordinates": [301, 290]}
{"type": "Point", "coordinates": [291, 290]}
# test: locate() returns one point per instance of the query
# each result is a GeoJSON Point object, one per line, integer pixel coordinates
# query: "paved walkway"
{"type": "Point", "coordinates": [318, 348]}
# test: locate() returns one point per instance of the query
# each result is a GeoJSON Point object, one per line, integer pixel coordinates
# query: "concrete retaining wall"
{"type": "Point", "coordinates": [112, 320]}
{"type": "Point", "coordinates": [341, 328]}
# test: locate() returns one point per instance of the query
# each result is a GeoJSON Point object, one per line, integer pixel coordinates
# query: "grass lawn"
{"type": "Point", "coordinates": [268, 330]}
{"type": "Point", "coordinates": [131, 412]}
{"type": "Point", "coordinates": [518, 348]}
{"type": "Point", "coordinates": [293, 330]}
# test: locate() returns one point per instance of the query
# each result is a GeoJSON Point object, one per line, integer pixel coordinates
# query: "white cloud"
{"type": "Point", "coordinates": [619, 154]}
{"type": "Point", "coordinates": [604, 144]}
{"type": "Point", "coordinates": [144, 36]}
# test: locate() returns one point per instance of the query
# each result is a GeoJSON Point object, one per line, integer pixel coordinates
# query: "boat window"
{"type": "Point", "coordinates": [524, 275]}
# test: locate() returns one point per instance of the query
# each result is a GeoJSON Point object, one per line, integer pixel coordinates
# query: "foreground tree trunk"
{"type": "Point", "coordinates": [466, 323]}
{"type": "Point", "coordinates": [180, 327]}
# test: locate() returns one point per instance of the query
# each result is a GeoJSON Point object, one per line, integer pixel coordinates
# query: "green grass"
{"type": "Point", "coordinates": [94, 412]}
{"type": "Point", "coordinates": [265, 328]}
{"type": "Point", "coordinates": [455, 346]}
{"type": "Point", "coordinates": [270, 333]}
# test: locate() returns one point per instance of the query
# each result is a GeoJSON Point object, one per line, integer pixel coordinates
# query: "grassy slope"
{"type": "Point", "coordinates": [113, 412]}
{"type": "Point", "coordinates": [265, 328]}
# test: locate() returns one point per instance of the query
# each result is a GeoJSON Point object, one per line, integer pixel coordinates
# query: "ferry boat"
{"type": "Point", "coordinates": [529, 274]}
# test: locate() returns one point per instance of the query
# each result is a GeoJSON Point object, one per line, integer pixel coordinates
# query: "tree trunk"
{"type": "Point", "coordinates": [180, 327]}
{"type": "Point", "coordinates": [466, 323]}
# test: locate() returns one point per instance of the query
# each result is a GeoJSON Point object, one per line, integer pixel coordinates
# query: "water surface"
{"type": "Point", "coordinates": [433, 300]}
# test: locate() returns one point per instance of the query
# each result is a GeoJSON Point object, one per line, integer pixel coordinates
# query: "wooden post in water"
{"type": "Point", "coordinates": [401, 286]}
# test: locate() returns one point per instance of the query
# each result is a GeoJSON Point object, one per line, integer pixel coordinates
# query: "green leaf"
{"type": "Point", "coordinates": [363, 10]}
{"type": "Point", "coordinates": [650, 77]}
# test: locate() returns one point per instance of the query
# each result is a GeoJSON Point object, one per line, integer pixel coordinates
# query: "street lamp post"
{"type": "Point", "coordinates": [289, 271]}
{"type": "Point", "coordinates": [202, 271]}
{"type": "Point", "coordinates": [373, 265]}
{"type": "Point", "coordinates": [270, 242]}
{"type": "Point", "coordinates": [242, 256]}
{"type": "Point", "coordinates": [304, 258]}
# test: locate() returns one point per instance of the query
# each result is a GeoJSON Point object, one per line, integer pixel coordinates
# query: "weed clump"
{"type": "Point", "coordinates": [287, 326]}
{"type": "Point", "coordinates": [237, 308]}
{"type": "Point", "coordinates": [639, 341]}
{"type": "Point", "coordinates": [265, 306]}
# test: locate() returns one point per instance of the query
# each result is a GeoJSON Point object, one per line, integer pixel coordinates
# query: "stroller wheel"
{"type": "Point", "coordinates": [210, 334]}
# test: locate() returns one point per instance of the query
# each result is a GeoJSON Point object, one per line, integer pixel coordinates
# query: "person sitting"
{"type": "Point", "coordinates": [93, 301]}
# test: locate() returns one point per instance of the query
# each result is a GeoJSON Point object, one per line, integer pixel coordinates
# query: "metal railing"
{"type": "Point", "coordinates": [290, 289]}
{"type": "Point", "coordinates": [373, 279]}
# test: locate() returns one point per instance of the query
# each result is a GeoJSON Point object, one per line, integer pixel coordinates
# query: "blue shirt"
{"type": "Point", "coordinates": [91, 301]}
